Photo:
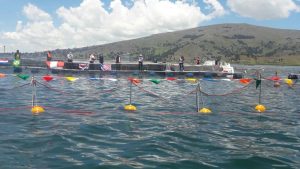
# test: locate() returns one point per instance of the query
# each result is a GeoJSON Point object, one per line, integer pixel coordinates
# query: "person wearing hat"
{"type": "Point", "coordinates": [141, 59]}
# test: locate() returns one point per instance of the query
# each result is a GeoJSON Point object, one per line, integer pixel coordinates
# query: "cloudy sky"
{"type": "Point", "coordinates": [38, 25]}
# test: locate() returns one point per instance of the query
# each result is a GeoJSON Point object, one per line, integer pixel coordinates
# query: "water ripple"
{"type": "Point", "coordinates": [86, 126]}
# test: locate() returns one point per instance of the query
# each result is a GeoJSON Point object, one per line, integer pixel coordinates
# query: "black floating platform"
{"type": "Point", "coordinates": [143, 73]}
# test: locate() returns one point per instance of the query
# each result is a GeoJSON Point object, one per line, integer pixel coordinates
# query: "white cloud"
{"type": "Point", "coordinates": [33, 13]}
{"type": "Point", "coordinates": [263, 9]}
{"type": "Point", "coordinates": [217, 8]}
{"type": "Point", "coordinates": [91, 24]}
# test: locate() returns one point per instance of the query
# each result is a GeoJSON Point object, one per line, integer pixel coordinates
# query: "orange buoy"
{"type": "Point", "coordinates": [2, 75]}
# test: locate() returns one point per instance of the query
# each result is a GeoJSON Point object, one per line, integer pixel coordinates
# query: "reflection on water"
{"type": "Point", "coordinates": [85, 126]}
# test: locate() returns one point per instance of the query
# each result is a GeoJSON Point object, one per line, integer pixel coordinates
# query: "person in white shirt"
{"type": "Point", "coordinates": [70, 57]}
{"type": "Point", "coordinates": [92, 58]}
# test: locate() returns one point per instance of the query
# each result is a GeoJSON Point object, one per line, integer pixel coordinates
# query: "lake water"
{"type": "Point", "coordinates": [85, 126]}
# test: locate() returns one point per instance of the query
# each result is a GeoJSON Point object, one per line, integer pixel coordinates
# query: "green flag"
{"type": "Point", "coordinates": [258, 82]}
{"type": "Point", "coordinates": [156, 81]}
{"type": "Point", "coordinates": [23, 76]}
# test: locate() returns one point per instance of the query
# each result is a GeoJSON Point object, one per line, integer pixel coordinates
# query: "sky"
{"type": "Point", "coordinates": [40, 25]}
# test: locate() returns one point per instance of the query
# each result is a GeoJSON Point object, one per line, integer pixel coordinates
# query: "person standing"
{"type": "Point", "coordinates": [49, 56]}
{"type": "Point", "coordinates": [118, 59]}
{"type": "Point", "coordinates": [181, 61]}
{"type": "Point", "coordinates": [92, 58]}
{"type": "Point", "coordinates": [17, 62]}
{"type": "Point", "coordinates": [17, 55]}
{"type": "Point", "coordinates": [141, 59]}
{"type": "Point", "coordinates": [198, 60]}
{"type": "Point", "coordinates": [70, 57]}
{"type": "Point", "coordinates": [101, 59]}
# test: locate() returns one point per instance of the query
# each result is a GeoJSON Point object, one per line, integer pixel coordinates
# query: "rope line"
{"type": "Point", "coordinates": [151, 93]}
{"type": "Point", "coordinates": [53, 89]}
{"type": "Point", "coordinates": [78, 112]}
{"type": "Point", "coordinates": [225, 94]}
{"type": "Point", "coordinates": [18, 86]}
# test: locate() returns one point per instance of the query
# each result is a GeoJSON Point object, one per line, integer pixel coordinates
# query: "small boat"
{"type": "Point", "coordinates": [4, 62]}
{"type": "Point", "coordinates": [219, 66]}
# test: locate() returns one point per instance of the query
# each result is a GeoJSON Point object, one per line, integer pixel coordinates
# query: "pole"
{"type": "Point", "coordinates": [33, 83]}
{"type": "Point", "coordinates": [4, 49]}
{"type": "Point", "coordinates": [197, 97]}
{"type": "Point", "coordinates": [130, 92]}
{"type": "Point", "coordinates": [259, 97]}
{"type": "Point", "coordinates": [199, 88]}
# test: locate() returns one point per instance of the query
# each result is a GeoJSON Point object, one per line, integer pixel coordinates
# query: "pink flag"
{"type": "Point", "coordinates": [106, 67]}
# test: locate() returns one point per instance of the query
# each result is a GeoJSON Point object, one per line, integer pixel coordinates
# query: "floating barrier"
{"type": "Point", "coordinates": [247, 81]}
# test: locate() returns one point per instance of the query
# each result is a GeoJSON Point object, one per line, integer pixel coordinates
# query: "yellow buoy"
{"type": "Point", "coordinates": [130, 107]}
{"type": "Point", "coordinates": [71, 79]}
{"type": "Point", "coordinates": [205, 110]}
{"type": "Point", "coordinates": [191, 80]}
{"type": "Point", "coordinates": [260, 108]}
{"type": "Point", "coordinates": [37, 110]}
{"type": "Point", "coordinates": [288, 82]}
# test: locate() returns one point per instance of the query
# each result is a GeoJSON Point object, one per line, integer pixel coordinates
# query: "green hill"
{"type": "Point", "coordinates": [237, 43]}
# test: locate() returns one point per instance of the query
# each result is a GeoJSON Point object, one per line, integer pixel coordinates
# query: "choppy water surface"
{"type": "Point", "coordinates": [85, 126]}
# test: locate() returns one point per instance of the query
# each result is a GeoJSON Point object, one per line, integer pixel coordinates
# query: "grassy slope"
{"type": "Point", "coordinates": [237, 43]}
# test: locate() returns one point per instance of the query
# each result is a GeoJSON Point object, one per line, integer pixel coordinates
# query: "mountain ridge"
{"type": "Point", "coordinates": [237, 43]}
